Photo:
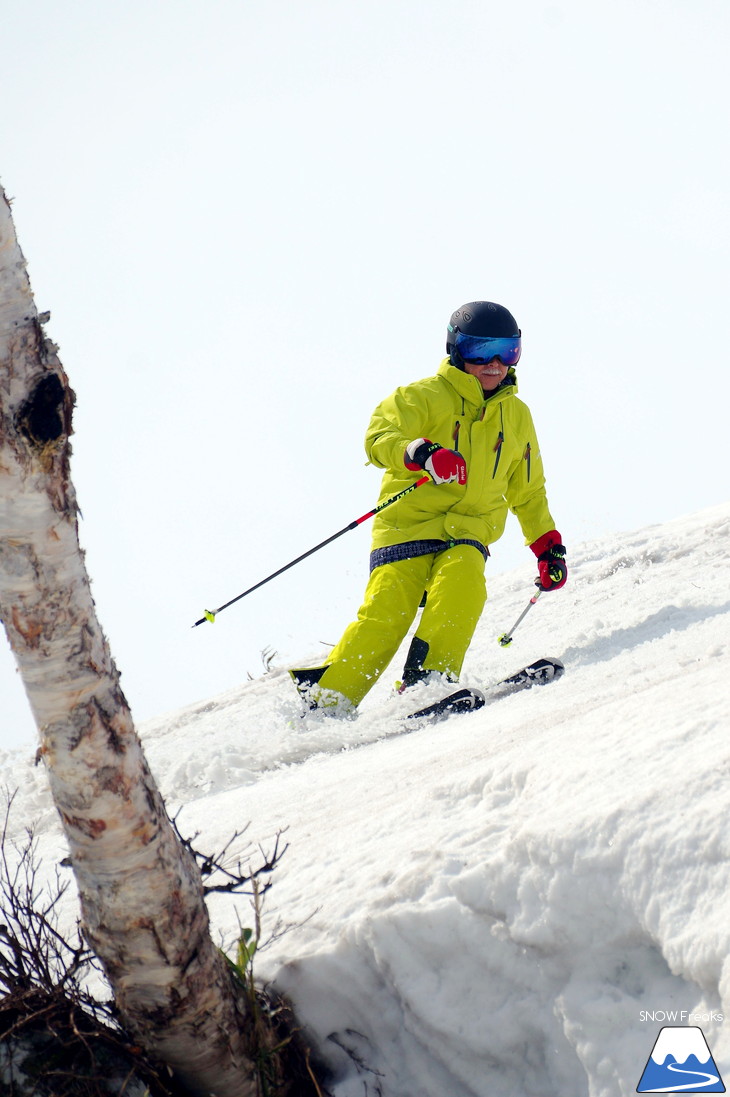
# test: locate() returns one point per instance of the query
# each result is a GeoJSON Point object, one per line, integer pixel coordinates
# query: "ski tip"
{"type": "Point", "coordinates": [552, 668]}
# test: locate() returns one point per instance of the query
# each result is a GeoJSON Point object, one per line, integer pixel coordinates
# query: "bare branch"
{"type": "Point", "coordinates": [238, 874]}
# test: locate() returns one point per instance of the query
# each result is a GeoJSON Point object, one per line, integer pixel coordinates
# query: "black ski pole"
{"type": "Point", "coordinates": [506, 638]}
{"type": "Point", "coordinates": [210, 615]}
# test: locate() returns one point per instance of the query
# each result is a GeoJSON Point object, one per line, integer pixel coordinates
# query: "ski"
{"type": "Point", "coordinates": [463, 700]}
{"type": "Point", "coordinates": [540, 672]}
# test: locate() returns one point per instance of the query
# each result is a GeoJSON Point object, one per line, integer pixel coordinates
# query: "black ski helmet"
{"type": "Point", "coordinates": [479, 318]}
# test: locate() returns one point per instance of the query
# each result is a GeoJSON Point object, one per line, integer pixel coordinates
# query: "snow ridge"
{"type": "Point", "coordinates": [497, 905]}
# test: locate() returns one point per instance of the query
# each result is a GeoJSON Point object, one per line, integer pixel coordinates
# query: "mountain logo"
{"type": "Point", "coordinates": [680, 1062]}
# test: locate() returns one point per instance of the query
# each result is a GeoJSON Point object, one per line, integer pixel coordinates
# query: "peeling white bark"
{"type": "Point", "coordinates": [141, 893]}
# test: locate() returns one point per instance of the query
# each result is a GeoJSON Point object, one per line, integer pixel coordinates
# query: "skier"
{"type": "Point", "coordinates": [467, 428]}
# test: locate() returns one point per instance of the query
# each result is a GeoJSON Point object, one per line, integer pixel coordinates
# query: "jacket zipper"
{"type": "Point", "coordinates": [500, 443]}
{"type": "Point", "coordinates": [528, 458]}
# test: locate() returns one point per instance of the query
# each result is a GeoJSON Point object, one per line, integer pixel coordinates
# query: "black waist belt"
{"type": "Point", "coordinates": [406, 551]}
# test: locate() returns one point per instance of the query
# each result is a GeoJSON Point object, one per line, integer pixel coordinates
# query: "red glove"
{"type": "Point", "coordinates": [550, 561]}
{"type": "Point", "coordinates": [443, 465]}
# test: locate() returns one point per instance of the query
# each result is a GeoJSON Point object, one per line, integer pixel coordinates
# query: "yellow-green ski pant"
{"type": "Point", "coordinates": [456, 592]}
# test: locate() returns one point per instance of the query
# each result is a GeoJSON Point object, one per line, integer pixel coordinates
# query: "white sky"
{"type": "Point", "coordinates": [251, 222]}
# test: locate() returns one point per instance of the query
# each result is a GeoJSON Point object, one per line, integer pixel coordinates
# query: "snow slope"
{"type": "Point", "coordinates": [511, 903]}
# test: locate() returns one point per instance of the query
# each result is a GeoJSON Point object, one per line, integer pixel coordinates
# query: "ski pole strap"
{"type": "Point", "coordinates": [390, 554]}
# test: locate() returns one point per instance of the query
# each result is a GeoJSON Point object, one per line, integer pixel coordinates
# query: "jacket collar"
{"type": "Point", "coordinates": [469, 388]}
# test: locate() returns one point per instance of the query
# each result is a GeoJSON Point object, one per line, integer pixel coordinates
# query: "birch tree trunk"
{"type": "Point", "coordinates": [141, 892]}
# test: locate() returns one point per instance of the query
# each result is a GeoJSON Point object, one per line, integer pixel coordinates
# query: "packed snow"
{"type": "Point", "coordinates": [512, 902]}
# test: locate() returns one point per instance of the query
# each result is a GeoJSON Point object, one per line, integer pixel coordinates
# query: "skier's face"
{"type": "Point", "coordinates": [489, 374]}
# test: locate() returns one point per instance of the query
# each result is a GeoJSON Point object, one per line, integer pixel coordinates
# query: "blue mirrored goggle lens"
{"type": "Point", "coordinates": [479, 349]}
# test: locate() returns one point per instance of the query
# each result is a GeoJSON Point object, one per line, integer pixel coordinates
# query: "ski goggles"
{"type": "Point", "coordinates": [481, 349]}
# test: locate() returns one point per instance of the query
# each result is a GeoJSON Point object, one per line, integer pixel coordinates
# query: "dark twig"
{"type": "Point", "coordinates": [238, 877]}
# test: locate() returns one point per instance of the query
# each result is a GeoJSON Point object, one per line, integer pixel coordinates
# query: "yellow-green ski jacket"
{"type": "Point", "coordinates": [496, 438]}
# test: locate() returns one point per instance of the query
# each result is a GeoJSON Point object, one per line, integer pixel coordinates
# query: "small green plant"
{"type": "Point", "coordinates": [266, 1048]}
{"type": "Point", "coordinates": [247, 945]}
{"type": "Point", "coordinates": [242, 966]}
